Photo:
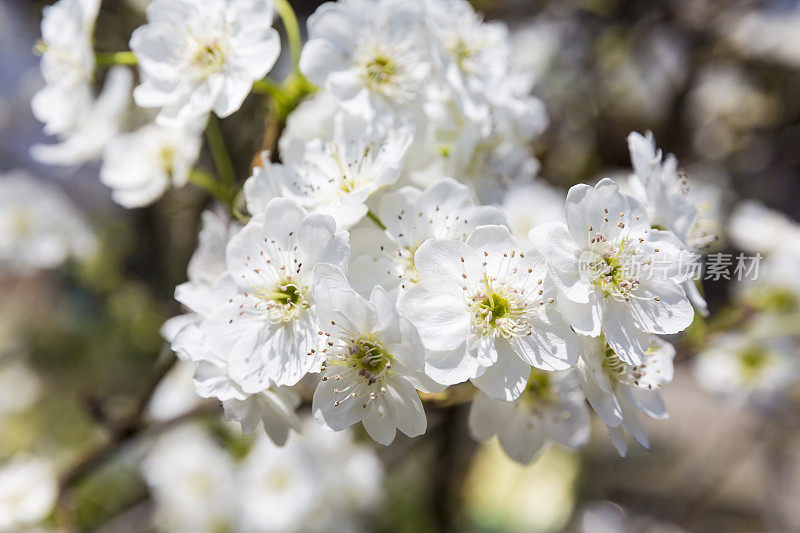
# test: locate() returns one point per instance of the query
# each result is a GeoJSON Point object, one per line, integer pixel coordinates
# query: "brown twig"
{"type": "Point", "coordinates": [122, 433]}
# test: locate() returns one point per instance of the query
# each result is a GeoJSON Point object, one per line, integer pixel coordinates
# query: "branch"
{"type": "Point", "coordinates": [132, 427]}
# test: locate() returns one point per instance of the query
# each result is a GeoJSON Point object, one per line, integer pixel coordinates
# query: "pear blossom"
{"type": "Point", "coordinates": [754, 227]}
{"type": "Point", "coordinates": [279, 488]}
{"type": "Point", "coordinates": [192, 480]}
{"type": "Point", "coordinates": [486, 310]}
{"type": "Point", "coordinates": [659, 185]}
{"type": "Point", "coordinates": [336, 176]}
{"type": "Point", "coordinates": [751, 366]}
{"type": "Point", "coordinates": [298, 488]}
{"type": "Point", "coordinates": [614, 273]}
{"type": "Point", "coordinates": [201, 56]}
{"type": "Point", "coordinates": [266, 325]}
{"type": "Point", "coordinates": [371, 55]}
{"type": "Point", "coordinates": [471, 54]}
{"type": "Point", "coordinates": [445, 210]}
{"type": "Point", "coordinates": [28, 490]}
{"type": "Point", "coordinates": [96, 121]}
{"type": "Point", "coordinates": [485, 146]}
{"type": "Point", "coordinates": [140, 166]}
{"type": "Point", "coordinates": [664, 191]}
{"type": "Point", "coordinates": [551, 408]}
{"type": "Point", "coordinates": [39, 226]}
{"type": "Point", "coordinates": [209, 288]}
{"type": "Point", "coordinates": [617, 390]}
{"type": "Point", "coordinates": [67, 63]}
{"type": "Point", "coordinates": [374, 362]}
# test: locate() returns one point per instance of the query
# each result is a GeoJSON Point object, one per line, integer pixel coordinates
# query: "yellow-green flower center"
{"type": "Point", "coordinates": [369, 360]}
{"type": "Point", "coordinates": [752, 362]}
{"type": "Point", "coordinates": [493, 308]}
{"type": "Point", "coordinates": [380, 70]}
{"type": "Point", "coordinates": [283, 301]}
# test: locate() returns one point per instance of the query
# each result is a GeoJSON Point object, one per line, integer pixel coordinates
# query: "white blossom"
{"type": "Point", "coordinates": [95, 123]}
{"type": "Point", "coordinates": [67, 63]}
{"type": "Point", "coordinates": [551, 408]}
{"type": "Point", "coordinates": [473, 56]}
{"type": "Point", "coordinates": [39, 226]}
{"type": "Point", "coordinates": [191, 478]}
{"type": "Point", "coordinates": [210, 287]}
{"type": "Point", "coordinates": [279, 488]}
{"type": "Point", "coordinates": [264, 321]}
{"type": "Point", "coordinates": [140, 166]}
{"type": "Point", "coordinates": [370, 55]}
{"type": "Point", "coordinates": [664, 191]}
{"type": "Point", "coordinates": [337, 176]}
{"type": "Point", "coordinates": [374, 362]}
{"type": "Point", "coordinates": [485, 310]}
{"type": "Point", "coordinates": [28, 491]}
{"type": "Point", "coordinates": [754, 365]}
{"type": "Point", "coordinates": [659, 185]}
{"type": "Point", "coordinates": [445, 210]}
{"type": "Point", "coordinates": [617, 390]}
{"type": "Point", "coordinates": [615, 274]}
{"type": "Point", "coordinates": [198, 56]}
{"type": "Point", "coordinates": [753, 227]}
{"type": "Point", "coordinates": [485, 146]}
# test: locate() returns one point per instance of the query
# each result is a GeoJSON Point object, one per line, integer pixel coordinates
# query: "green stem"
{"type": "Point", "coordinates": [115, 58]}
{"type": "Point", "coordinates": [292, 28]}
{"type": "Point", "coordinates": [202, 179]}
{"type": "Point", "coordinates": [375, 219]}
{"type": "Point", "coordinates": [269, 87]}
{"type": "Point", "coordinates": [219, 152]}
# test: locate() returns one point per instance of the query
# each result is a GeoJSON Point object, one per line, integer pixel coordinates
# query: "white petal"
{"type": "Point", "coordinates": [441, 318]}
{"type": "Point", "coordinates": [552, 345]}
{"type": "Point", "coordinates": [627, 341]}
{"type": "Point", "coordinates": [670, 313]}
{"type": "Point", "coordinates": [523, 438]}
{"type": "Point", "coordinates": [447, 260]}
{"type": "Point", "coordinates": [406, 407]}
{"type": "Point", "coordinates": [507, 378]}
{"type": "Point", "coordinates": [487, 416]}
{"type": "Point", "coordinates": [330, 415]}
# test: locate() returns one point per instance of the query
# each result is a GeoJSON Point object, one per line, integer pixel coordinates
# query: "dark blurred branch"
{"type": "Point", "coordinates": [123, 432]}
{"type": "Point", "coordinates": [452, 464]}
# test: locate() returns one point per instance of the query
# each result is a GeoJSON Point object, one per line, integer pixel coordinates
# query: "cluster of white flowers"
{"type": "Point", "coordinates": [757, 363]}
{"type": "Point", "coordinates": [199, 485]}
{"type": "Point", "coordinates": [401, 244]}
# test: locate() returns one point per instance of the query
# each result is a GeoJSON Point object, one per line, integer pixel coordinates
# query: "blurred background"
{"type": "Point", "coordinates": [716, 81]}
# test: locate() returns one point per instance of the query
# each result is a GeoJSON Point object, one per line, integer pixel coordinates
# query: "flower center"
{"type": "Point", "coordinates": [405, 267]}
{"type": "Point", "coordinates": [612, 271]}
{"type": "Point", "coordinates": [752, 362]}
{"type": "Point", "coordinates": [380, 70]}
{"type": "Point", "coordinates": [369, 360]}
{"type": "Point", "coordinates": [22, 223]}
{"type": "Point", "coordinates": [208, 58]}
{"type": "Point", "coordinates": [498, 311]}
{"type": "Point", "coordinates": [539, 389]}
{"type": "Point", "coordinates": [284, 301]}
{"type": "Point", "coordinates": [493, 308]}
